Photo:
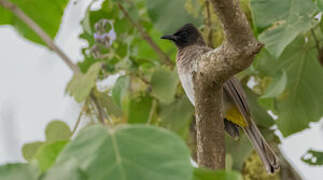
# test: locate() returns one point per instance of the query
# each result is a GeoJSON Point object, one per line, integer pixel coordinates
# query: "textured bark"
{"type": "Point", "coordinates": [210, 128]}
{"type": "Point", "coordinates": [234, 55]}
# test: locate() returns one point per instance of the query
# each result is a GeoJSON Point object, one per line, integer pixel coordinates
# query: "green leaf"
{"type": "Point", "coordinates": [46, 13]}
{"type": "Point", "coordinates": [301, 101]}
{"type": "Point", "coordinates": [139, 110]}
{"type": "Point", "coordinates": [238, 150]}
{"type": "Point", "coordinates": [47, 153]}
{"type": "Point", "coordinates": [164, 84]}
{"type": "Point", "coordinates": [107, 102]}
{"type": "Point", "coordinates": [205, 174]}
{"type": "Point", "coordinates": [18, 171]}
{"type": "Point", "coordinates": [264, 16]}
{"type": "Point", "coordinates": [129, 153]}
{"type": "Point", "coordinates": [81, 84]}
{"type": "Point", "coordinates": [319, 4]}
{"type": "Point", "coordinates": [276, 87]}
{"type": "Point", "coordinates": [143, 50]}
{"type": "Point", "coordinates": [313, 158]}
{"type": "Point", "coordinates": [120, 90]}
{"type": "Point", "coordinates": [57, 131]}
{"type": "Point", "coordinates": [65, 171]}
{"type": "Point", "coordinates": [30, 149]}
{"type": "Point", "coordinates": [121, 26]}
{"type": "Point", "coordinates": [6, 16]}
{"type": "Point", "coordinates": [178, 115]}
{"type": "Point", "coordinates": [169, 15]}
{"type": "Point", "coordinates": [285, 27]}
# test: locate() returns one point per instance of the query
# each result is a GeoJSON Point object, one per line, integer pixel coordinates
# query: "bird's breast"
{"type": "Point", "coordinates": [186, 62]}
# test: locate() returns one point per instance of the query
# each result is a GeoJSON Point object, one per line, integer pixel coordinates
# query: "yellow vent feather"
{"type": "Point", "coordinates": [234, 115]}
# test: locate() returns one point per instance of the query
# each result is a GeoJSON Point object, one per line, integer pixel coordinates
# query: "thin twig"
{"type": "Point", "coordinates": [79, 117]}
{"type": "Point", "coordinates": [39, 31]}
{"type": "Point", "coordinates": [209, 24]}
{"type": "Point", "coordinates": [163, 56]}
{"type": "Point", "coordinates": [152, 111]}
{"type": "Point", "coordinates": [101, 112]}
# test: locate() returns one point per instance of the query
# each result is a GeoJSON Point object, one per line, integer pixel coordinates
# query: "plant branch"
{"type": "Point", "coordinates": [213, 69]}
{"type": "Point", "coordinates": [39, 31]}
{"type": "Point", "coordinates": [79, 117]}
{"type": "Point", "coordinates": [162, 55]}
{"type": "Point", "coordinates": [152, 111]}
{"type": "Point", "coordinates": [100, 111]}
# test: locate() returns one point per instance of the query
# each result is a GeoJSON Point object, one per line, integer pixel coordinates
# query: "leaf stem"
{"type": "Point", "coordinates": [100, 111]}
{"type": "Point", "coordinates": [152, 111]}
{"type": "Point", "coordinates": [317, 42]}
{"type": "Point", "coordinates": [79, 118]}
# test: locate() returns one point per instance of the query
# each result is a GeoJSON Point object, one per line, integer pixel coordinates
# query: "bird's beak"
{"type": "Point", "coordinates": [169, 37]}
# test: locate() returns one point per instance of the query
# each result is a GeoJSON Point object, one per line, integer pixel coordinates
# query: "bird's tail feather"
{"type": "Point", "coordinates": [265, 152]}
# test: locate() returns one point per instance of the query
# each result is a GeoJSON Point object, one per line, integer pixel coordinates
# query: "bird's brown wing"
{"type": "Point", "coordinates": [234, 90]}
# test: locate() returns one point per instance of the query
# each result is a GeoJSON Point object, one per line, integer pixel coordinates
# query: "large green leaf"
{"type": "Point", "coordinates": [18, 171]}
{"type": "Point", "coordinates": [164, 83]}
{"type": "Point", "coordinates": [129, 153]}
{"type": "Point", "coordinates": [302, 98]}
{"type": "Point", "coordinates": [205, 174]}
{"type": "Point", "coordinates": [46, 13]}
{"type": "Point", "coordinates": [178, 115]}
{"type": "Point", "coordinates": [65, 171]}
{"type": "Point", "coordinates": [238, 150]}
{"type": "Point", "coordinates": [81, 84]}
{"type": "Point", "coordinates": [264, 16]}
{"type": "Point", "coordinates": [169, 15]}
{"type": "Point", "coordinates": [288, 18]}
{"type": "Point", "coordinates": [276, 87]}
{"type": "Point", "coordinates": [320, 4]}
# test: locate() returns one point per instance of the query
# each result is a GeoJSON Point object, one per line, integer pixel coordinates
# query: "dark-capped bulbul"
{"type": "Point", "coordinates": [191, 46]}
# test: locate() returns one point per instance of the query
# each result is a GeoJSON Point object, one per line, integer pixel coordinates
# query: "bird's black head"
{"type": "Point", "coordinates": [185, 36]}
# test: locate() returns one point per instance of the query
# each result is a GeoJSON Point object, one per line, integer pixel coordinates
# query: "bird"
{"type": "Point", "coordinates": [190, 47]}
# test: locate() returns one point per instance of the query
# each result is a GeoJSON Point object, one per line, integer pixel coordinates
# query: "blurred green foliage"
{"type": "Point", "coordinates": [314, 158]}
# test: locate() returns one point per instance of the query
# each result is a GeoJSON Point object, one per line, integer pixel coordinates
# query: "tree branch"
{"type": "Point", "coordinates": [39, 31]}
{"type": "Point", "coordinates": [213, 70]}
{"type": "Point", "coordinates": [209, 126]}
{"type": "Point", "coordinates": [163, 56]}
